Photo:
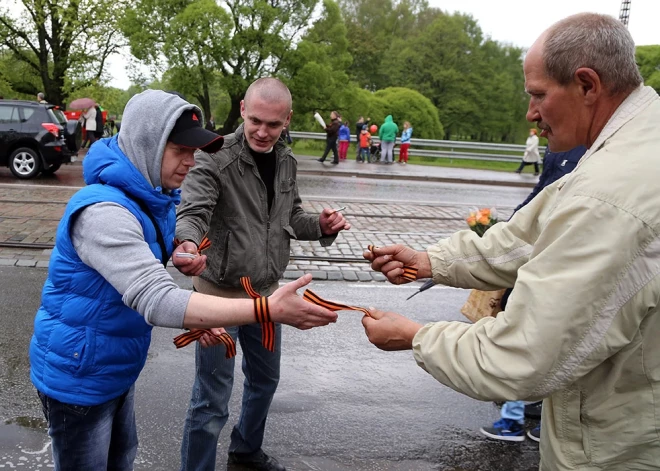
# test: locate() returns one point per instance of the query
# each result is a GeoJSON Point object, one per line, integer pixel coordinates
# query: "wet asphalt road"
{"type": "Point", "coordinates": [341, 404]}
{"type": "Point", "coordinates": [353, 188]}
{"type": "Point", "coordinates": [365, 189]}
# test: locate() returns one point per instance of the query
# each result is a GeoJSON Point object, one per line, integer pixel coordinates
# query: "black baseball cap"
{"type": "Point", "coordinates": [189, 132]}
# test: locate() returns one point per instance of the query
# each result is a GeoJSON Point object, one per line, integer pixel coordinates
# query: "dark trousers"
{"type": "Point", "coordinates": [92, 437]}
{"type": "Point", "coordinates": [331, 145]}
{"type": "Point", "coordinates": [523, 164]}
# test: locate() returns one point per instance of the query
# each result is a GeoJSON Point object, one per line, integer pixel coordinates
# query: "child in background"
{"type": "Point", "coordinates": [405, 142]}
{"type": "Point", "coordinates": [365, 144]}
{"type": "Point", "coordinates": [344, 140]}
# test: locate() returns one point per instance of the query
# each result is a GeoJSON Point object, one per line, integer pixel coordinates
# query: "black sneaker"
{"type": "Point", "coordinates": [505, 429]}
{"type": "Point", "coordinates": [533, 410]}
{"type": "Point", "coordinates": [535, 433]}
{"type": "Point", "coordinates": [258, 461]}
{"type": "Point", "coordinates": [320, 160]}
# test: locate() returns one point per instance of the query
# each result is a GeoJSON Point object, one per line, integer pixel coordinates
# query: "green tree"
{"type": "Point", "coordinates": [476, 83]}
{"type": "Point", "coordinates": [190, 35]}
{"type": "Point", "coordinates": [315, 69]}
{"type": "Point", "coordinates": [372, 25]}
{"type": "Point", "coordinates": [249, 39]}
{"type": "Point", "coordinates": [405, 104]}
{"type": "Point", "coordinates": [65, 42]}
{"type": "Point", "coordinates": [648, 59]}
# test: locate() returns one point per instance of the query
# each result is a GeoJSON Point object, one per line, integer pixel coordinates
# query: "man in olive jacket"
{"type": "Point", "coordinates": [246, 199]}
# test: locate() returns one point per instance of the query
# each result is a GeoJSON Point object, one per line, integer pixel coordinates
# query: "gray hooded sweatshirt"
{"type": "Point", "coordinates": [108, 238]}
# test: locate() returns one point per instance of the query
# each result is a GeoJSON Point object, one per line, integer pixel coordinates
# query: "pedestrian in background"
{"type": "Point", "coordinates": [344, 139]}
{"type": "Point", "coordinates": [89, 115]}
{"type": "Point", "coordinates": [41, 98]}
{"type": "Point", "coordinates": [98, 134]}
{"type": "Point", "coordinates": [361, 123]}
{"type": "Point", "coordinates": [531, 155]}
{"type": "Point", "coordinates": [210, 124]}
{"type": "Point", "coordinates": [332, 132]}
{"type": "Point", "coordinates": [405, 142]}
{"type": "Point", "coordinates": [364, 144]}
{"type": "Point", "coordinates": [387, 134]}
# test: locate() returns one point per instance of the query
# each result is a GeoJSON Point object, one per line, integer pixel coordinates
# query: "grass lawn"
{"type": "Point", "coordinates": [315, 149]}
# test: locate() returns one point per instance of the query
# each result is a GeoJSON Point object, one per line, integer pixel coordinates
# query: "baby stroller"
{"type": "Point", "coordinates": [374, 153]}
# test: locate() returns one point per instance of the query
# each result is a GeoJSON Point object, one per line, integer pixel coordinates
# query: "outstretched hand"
{"type": "Point", "coordinates": [332, 222]}
{"type": "Point", "coordinates": [390, 331]}
{"type": "Point", "coordinates": [391, 259]}
{"type": "Point", "coordinates": [288, 308]}
{"type": "Point", "coordinates": [188, 266]}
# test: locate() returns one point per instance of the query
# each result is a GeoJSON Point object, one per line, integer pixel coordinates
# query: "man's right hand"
{"type": "Point", "coordinates": [288, 308]}
{"type": "Point", "coordinates": [189, 266]}
{"type": "Point", "coordinates": [391, 259]}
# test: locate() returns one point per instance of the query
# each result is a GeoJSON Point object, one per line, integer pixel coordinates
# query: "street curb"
{"type": "Point", "coordinates": [380, 176]}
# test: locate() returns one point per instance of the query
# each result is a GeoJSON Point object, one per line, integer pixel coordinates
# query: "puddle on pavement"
{"type": "Point", "coordinates": [28, 422]}
{"type": "Point", "coordinates": [24, 444]}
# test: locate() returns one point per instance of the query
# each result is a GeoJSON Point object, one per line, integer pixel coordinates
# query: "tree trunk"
{"type": "Point", "coordinates": [234, 113]}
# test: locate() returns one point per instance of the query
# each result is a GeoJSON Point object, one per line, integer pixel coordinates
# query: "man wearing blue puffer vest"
{"type": "Point", "coordinates": [107, 284]}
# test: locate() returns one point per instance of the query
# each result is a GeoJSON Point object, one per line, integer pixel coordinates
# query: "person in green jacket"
{"type": "Point", "coordinates": [387, 135]}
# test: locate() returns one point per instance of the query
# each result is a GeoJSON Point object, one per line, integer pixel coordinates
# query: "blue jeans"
{"type": "Point", "coordinates": [102, 437]}
{"type": "Point", "coordinates": [209, 404]}
{"type": "Point", "coordinates": [514, 410]}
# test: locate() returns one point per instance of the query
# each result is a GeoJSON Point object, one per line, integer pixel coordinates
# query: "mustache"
{"type": "Point", "coordinates": [542, 126]}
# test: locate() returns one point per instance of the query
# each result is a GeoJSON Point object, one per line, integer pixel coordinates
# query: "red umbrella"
{"type": "Point", "coordinates": [82, 103]}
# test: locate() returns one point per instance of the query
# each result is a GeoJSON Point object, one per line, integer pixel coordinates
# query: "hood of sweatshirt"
{"type": "Point", "coordinates": [389, 119]}
{"type": "Point", "coordinates": [145, 126]}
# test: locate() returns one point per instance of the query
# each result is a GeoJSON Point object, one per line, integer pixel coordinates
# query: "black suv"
{"type": "Point", "coordinates": [36, 138]}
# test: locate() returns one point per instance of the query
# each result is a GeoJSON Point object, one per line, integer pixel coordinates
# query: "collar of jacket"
{"type": "Point", "coordinates": [634, 104]}
{"type": "Point", "coordinates": [245, 158]}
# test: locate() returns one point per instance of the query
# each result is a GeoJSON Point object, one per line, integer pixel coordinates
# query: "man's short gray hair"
{"type": "Point", "coordinates": [271, 90]}
{"type": "Point", "coordinates": [598, 42]}
{"type": "Point", "coordinates": [41, 96]}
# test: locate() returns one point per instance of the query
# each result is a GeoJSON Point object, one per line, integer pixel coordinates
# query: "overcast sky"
{"type": "Point", "coordinates": [518, 22]}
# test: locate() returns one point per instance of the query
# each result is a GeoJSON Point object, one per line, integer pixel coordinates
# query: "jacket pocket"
{"type": "Point", "coordinates": [572, 433]}
{"type": "Point", "coordinates": [68, 347]}
{"type": "Point", "coordinates": [224, 263]}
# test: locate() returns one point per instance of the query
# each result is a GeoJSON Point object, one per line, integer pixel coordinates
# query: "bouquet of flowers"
{"type": "Point", "coordinates": [480, 220]}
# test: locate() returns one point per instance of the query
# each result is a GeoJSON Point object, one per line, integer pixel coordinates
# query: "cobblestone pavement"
{"type": "Point", "coordinates": [31, 216]}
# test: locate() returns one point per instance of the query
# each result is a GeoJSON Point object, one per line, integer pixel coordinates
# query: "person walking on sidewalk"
{"type": "Point", "coordinates": [107, 284]}
{"type": "Point", "coordinates": [246, 198]}
{"type": "Point", "coordinates": [344, 140]}
{"type": "Point", "coordinates": [405, 142]}
{"type": "Point", "coordinates": [89, 116]}
{"type": "Point", "coordinates": [531, 155]}
{"type": "Point", "coordinates": [332, 132]}
{"type": "Point", "coordinates": [387, 134]}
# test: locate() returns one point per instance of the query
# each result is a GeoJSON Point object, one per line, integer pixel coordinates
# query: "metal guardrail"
{"type": "Point", "coordinates": [450, 149]}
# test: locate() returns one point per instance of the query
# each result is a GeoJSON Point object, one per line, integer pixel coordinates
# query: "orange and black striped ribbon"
{"type": "Point", "coordinates": [203, 245]}
{"type": "Point", "coordinates": [262, 313]}
{"type": "Point", "coordinates": [409, 273]}
{"type": "Point", "coordinates": [314, 298]}
{"type": "Point", "coordinates": [187, 338]}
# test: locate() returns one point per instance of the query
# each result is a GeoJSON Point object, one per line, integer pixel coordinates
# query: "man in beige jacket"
{"type": "Point", "coordinates": [581, 327]}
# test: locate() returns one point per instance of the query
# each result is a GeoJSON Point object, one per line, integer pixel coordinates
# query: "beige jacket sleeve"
{"type": "Point", "coordinates": [566, 314]}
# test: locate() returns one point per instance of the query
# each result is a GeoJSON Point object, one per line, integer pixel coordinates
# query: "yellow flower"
{"type": "Point", "coordinates": [472, 221]}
